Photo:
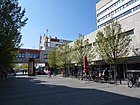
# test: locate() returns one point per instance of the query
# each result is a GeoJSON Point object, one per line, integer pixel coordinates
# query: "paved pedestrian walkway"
{"type": "Point", "coordinates": [41, 90]}
{"type": "Point", "coordinates": [122, 89]}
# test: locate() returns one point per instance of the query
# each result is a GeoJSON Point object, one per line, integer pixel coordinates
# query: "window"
{"type": "Point", "coordinates": [136, 8]}
{"type": "Point", "coordinates": [130, 32]}
{"type": "Point", "coordinates": [32, 55]}
{"type": "Point", "coordinates": [122, 15]}
{"type": "Point", "coordinates": [45, 56]}
{"type": "Point", "coordinates": [119, 9]}
{"type": "Point", "coordinates": [88, 46]}
{"type": "Point", "coordinates": [94, 43]}
{"type": "Point", "coordinates": [111, 6]}
{"type": "Point", "coordinates": [21, 55]}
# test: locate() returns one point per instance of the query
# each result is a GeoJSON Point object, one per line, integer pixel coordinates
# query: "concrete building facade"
{"type": "Point", "coordinates": [127, 13]}
{"type": "Point", "coordinates": [39, 55]}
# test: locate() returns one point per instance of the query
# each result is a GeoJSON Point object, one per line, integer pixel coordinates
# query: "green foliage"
{"type": "Point", "coordinates": [11, 21]}
{"type": "Point", "coordinates": [52, 58]}
{"type": "Point", "coordinates": [82, 48]}
{"type": "Point", "coordinates": [64, 55]}
{"type": "Point", "coordinates": [25, 66]}
{"type": "Point", "coordinates": [113, 45]}
{"type": "Point", "coordinates": [22, 66]}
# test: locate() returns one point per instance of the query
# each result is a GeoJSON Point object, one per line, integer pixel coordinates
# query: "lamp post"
{"type": "Point", "coordinates": [75, 69]}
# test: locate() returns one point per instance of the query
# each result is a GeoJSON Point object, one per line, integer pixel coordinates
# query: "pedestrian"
{"type": "Point", "coordinates": [49, 73]}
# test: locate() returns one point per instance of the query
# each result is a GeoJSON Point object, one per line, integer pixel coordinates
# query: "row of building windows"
{"type": "Point", "coordinates": [117, 10]}
{"type": "Point", "coordinates": [22, 55]}
{"type": "Point", "coordinates": [120, 16]}
{"type": "Point", "coordinates": [129, 32]}
{"type": "Point", "coordinates": [34, 55]}
{"type": "Point", "coordinates": [110, 7]}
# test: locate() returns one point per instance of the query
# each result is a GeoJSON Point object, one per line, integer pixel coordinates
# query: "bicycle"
{"type": "Point", "coordinates": [133, 81]}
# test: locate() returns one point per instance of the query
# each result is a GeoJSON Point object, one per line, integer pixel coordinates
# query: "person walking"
{"type": "Point", "coordinates": [49, 73]}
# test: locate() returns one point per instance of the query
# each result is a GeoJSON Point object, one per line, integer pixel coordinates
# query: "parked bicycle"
{"type": "Point", "coordinates": [133, 78]}
{"type": "Point", "coordinates": [133, 81]}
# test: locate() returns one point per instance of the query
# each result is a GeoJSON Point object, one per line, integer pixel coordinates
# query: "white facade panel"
{"type": "Point", "coordinates": [105, 5]}
{"type": "Point", "coordinates": [91, 37]}
{"type": "Point", "coordinates": [113, 8]}
{"type": "Point", "coordinates": [119, 9]}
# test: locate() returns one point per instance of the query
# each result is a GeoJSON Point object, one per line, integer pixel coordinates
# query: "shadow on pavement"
{"type": "Point", "coordinates": [29, 91]}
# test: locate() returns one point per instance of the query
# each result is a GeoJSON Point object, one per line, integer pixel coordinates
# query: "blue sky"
{"type": "Point", "coordinates": [64, 19]}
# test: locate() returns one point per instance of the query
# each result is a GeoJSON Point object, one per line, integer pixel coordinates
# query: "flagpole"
{"type": "Point", "coordinates": [39, 42]}
{"type": "Point", "coordinates": [47, 37]}
{"type": "Point", "coordinates": [46, 45]}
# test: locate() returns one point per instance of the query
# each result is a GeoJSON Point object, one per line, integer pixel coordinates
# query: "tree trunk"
{"type": "Point", "coordinates": [115, 69]}
{"type": "Point", "coordinates": [120, 75]}
{"type": "Point", "coordinates": [110, 74]}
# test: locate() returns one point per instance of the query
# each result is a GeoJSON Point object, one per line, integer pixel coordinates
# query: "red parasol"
{"type": "Point", "coordinates": [86, 65]}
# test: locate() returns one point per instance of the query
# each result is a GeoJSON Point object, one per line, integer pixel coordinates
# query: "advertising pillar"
{"type": "Point", "coordinates": [31, 68]}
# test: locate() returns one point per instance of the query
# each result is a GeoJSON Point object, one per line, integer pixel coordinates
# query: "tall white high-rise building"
{"type": "Point", "coordinates": [108, 10]}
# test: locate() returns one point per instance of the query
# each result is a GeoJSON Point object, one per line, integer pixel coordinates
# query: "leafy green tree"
{"type": "Point", "coordinates": [11, 21]}
{"type": "Point", "coordinates": [82, 48]}
{"type": "Point", "coordinates": [64, 57]}
{"type": "Point", "coordinates": [52, 58]}
{"type": "Point", "coordinates": [24, 66]}
{"type": "Point", "coordinates": [113, 45]}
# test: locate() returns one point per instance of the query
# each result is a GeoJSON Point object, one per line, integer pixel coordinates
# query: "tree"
{"type": "Point", "coordinates": [11, 21]}
{"type": "Point", "coordinates": [82, 48]}
{"type": "Point", "coordinates": [64, 57]}
{"type": "Point", "coordinates": [52, 59]}
{"type": "Point", "coordinates": [113, 45]}
{"type": "Point", "coordinates": [24, 66]}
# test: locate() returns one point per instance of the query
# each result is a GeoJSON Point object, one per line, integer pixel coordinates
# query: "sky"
{"type": "Point", "coordinates": [64, 19]}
